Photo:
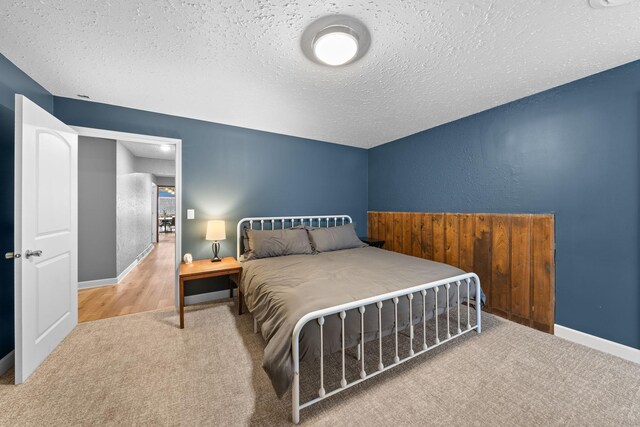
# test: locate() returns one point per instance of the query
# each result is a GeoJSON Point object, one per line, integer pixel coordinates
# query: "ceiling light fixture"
{"type": "Point", "coordinates": [165, 148]}
{"type": "Point", "coordinates": [335, 40]}
{"type": "Point", "coordinates": [336, 45]}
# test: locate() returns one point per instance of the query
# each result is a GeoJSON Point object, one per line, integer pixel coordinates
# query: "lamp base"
{"type": "Point", "coordinates": [215, 247]}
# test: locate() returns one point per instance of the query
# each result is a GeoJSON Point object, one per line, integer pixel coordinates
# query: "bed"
{"type": "Point", "coordinates": [311, 306]}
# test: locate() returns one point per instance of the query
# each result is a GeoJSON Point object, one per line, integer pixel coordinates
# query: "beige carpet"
{"type": "Point", "coordinates": [142, 370]}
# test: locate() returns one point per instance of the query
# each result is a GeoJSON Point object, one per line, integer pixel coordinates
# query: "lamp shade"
{"type": "Point", "coordinates": [216, 230]}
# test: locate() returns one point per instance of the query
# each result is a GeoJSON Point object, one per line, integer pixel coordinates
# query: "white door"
{"type": "Point", "coordinates": [46, 235]}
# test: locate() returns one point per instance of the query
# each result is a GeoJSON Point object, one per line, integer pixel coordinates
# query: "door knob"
{"type": "Point", "coordinates": [11, 255]}
{"type": "Point", "coordinates": [28, 254]}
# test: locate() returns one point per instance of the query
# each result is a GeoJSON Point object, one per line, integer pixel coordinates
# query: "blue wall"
{"type": "Point", "coordinates": [12, 81]}
{"type": "Point", "coordinates": [230, 172]}
{"type": "Point", "coordinates": [572, 151]}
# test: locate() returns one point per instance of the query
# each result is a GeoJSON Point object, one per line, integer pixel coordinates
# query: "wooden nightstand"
{"type": "Point", "coordinates": [372, 242]}
{"type": "Point", "coordinates": [204, 268]}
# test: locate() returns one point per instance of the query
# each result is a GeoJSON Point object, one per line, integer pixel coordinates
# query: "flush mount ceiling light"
{"type": "Point", "coordinates": [335, 45]}
{"type": "Point", "coordinates": [601, 4]}
{"type": "Point", "coordinates": [165, 148]}
{"type": "Point", "coordinates": [335, 40]}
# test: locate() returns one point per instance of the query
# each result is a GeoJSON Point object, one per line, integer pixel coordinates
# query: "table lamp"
{"type": "Point", "coordinates": [215, 232]}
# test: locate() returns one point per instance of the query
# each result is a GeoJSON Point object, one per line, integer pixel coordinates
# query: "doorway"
{"type": "Point", "coordinates": [129, 233]}
{"type": "Point", "coordinates": [46, 246]}
{"type": "Point", "coordinates": [166, 210]}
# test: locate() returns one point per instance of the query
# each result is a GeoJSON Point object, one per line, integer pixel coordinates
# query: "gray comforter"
{"type": "Point", "coordinates": [279, 291]}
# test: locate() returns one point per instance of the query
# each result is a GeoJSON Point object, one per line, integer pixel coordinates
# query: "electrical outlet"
{"type": "Point", "coordinates": [191, 213]}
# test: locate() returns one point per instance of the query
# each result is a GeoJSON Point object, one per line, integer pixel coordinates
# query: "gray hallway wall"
{"type": "Point", "coordinates": [133, 203]}
{"type": "Point", "coordinates": [96, 209]}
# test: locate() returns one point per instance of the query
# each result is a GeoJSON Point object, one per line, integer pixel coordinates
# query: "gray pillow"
{"type": "Point", "coordinates": [271, 243]}
{"type": "Point", "coordinates": [335, 238]}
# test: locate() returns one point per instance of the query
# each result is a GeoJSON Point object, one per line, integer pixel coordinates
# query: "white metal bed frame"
{"type": "Point", "coordinates": [280, 222]}
{"type": "Point", "coordinates": [361, 305]}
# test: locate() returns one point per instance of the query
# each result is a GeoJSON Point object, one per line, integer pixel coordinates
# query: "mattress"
{"type": "Point", "coordinates": [280, 291]}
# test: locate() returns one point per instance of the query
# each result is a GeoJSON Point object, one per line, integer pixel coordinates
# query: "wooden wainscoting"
{"type": "Point", "coordinates": [512, 254]}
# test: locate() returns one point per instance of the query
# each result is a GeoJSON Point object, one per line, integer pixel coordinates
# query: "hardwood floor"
{"type": "Point", "coordinates": [149, 286]}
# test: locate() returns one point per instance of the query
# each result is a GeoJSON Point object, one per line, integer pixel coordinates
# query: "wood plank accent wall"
{"type": "Point", "coordinates": [513, 254]}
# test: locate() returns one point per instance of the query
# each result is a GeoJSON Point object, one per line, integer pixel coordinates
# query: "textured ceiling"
{"type": "Point", "coordinates": [240, 62]}
{"type": "Point", "coordinates": [149, 151]}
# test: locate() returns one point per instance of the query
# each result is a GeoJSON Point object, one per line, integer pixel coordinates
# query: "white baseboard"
{"type": "Point", "coordinates": [145, 253]}
{"type": "Point", "coordinates": [115, 281]}
{"type": "Point", "coordinates": [127, 270]}
{"type": "Point", "coordinates": [97, 283]}
{"type": "Point", "coordinates": [620, 350]}
{"type": "Point", "coordinates": [209, 296]}
{"type": "Point", "coordinates": [7, 362]}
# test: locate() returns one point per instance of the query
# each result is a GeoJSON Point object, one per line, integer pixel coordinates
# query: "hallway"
{"type": "Point", "coordinates": [149, 286]}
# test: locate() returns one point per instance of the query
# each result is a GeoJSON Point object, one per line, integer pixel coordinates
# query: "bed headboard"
{"type": "Point", "coordinates": [283, 222]}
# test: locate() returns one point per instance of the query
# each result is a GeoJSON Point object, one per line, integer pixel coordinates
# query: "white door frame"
{"type": "Point", "coordinates": [148, 139]}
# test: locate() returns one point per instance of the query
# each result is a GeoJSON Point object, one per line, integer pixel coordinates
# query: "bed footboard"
{"type": "Point", "coordinates": [452, 284]}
